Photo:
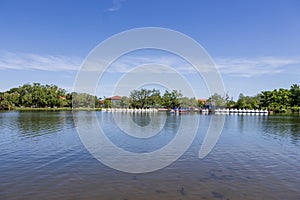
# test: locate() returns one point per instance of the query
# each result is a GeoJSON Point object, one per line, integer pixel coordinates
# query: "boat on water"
{"type": "Point", "coordinates": [178, 110]}
{"type": "Point", "coordinates": [172, 111]}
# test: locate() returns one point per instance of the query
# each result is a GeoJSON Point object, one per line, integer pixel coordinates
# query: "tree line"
{"type": "Point", "coordinates": [37, 95]}
{"type": "Point", "coordinates": [279, 100]}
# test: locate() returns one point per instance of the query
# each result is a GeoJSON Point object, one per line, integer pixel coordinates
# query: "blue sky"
{"type": "Point", "coordinates": [255, 44]}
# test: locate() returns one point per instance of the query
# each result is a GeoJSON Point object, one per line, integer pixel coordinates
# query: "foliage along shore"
{"type": "Point", "coordinates": [57, 109]}
{"type": "Point", "coordinates": [38, 97]}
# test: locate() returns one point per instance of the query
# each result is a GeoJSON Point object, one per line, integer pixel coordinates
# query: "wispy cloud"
{"type": "Point", "coordinates": [241, 67]}
{"type": "Point", "coordinates": [249, 67]}
{"type": "Point", "coordinates": [117, 4]}
{"type": "Point", "coordinates": [30, 61]}
{"type": "Point", "coordinates": [127, 63]}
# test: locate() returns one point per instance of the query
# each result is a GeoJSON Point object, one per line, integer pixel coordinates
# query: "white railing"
{"type": "Point", "coordinates": [130, 110]}
{"type": "Point", "coordinates": [240, 111]}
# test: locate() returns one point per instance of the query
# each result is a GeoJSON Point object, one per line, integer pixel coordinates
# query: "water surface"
{"type": "Point", "coordinates": [42, 157]}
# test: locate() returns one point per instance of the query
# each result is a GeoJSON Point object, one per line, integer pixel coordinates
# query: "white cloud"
{"type": "Point", "coordinates": [117, 4]}
{"type": "Point", "coordinates": [242, 67]}
{"type": "Point", "coordinates": [127, 63]}
{"type": "Point", "coordinates": [29, 61]}
{"type": "Point", "coordinates": [249, 67]}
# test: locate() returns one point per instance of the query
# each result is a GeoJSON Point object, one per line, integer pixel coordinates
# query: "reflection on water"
{"type": "Point", "coordinates": [277, 127]}
{"type": "Point", "coordinates": [287, 127]}
{"type": "Point", "coordinates": [39, 123]}
{"type": "Point", "coordinates": [140, 125]}
{"type": "Point", "coordinates": [141, 121]}
{"type": "Point", "coordinates": [256, 157]}
{"type": "Point", "coordinates": [132, 137]}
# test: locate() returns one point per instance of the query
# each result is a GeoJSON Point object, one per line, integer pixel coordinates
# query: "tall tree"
{"type": "Point", "coordinates": [247, 102]}
{"type": "Point", "coordinates": [6, 102]}
{"type": "Point", "coordinates": [154, 99]}
{"type": "Point", "coordinates": [217, 100]}
{"type": "Point", "coordinates": [144, 98]}
{"type": "Point", "coordinates": [295, 95]}
{"type": "Point", "coordinates": [124, 102]}
{"type": "Point", "coordinates": [171, 99]}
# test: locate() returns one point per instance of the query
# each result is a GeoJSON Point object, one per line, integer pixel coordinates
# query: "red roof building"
{"type": "Point", "coordinates": [115, 101]}
{"type": "Point", "coordinates": [114, 98]}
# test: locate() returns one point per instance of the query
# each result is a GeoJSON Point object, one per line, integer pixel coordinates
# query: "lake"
{"type": "Point", "coordinates": [42, 157]}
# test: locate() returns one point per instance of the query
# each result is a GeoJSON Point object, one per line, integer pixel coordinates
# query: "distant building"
{"type": "Point", "coordinates": [101, 101]}
{"type": "Point", "coordinates": [115, 101]}
{"type": "Point", "coordinates": [205, 103]}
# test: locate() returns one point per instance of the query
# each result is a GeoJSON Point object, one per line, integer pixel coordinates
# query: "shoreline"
{"type": "Point", "coordinates": [104, 110]}
{"type": "Point", "coordinates": [55, 109]}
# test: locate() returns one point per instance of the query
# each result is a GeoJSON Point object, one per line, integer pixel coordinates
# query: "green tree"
{"type": "Point", "coordinates": [186, 102]}
{"type": "Point", "coordinates": [68, 101]}
{"type": "Point", "coordinates": [295, 95]}
{"type": "Point", "coordinates": [25, 92]}
{"type": "Point", "coordinates": [171, 99]}
{"type": "Point", "coordinates": [231, 104]}
{"type": "Point", "coordinates": [144, 98]}
{"type": "Point", "coordinates": [97, 102]}
{"type": "Point", "coordinates": [83, 100]}
{"type": "Point", "coordinates": [107, 103]}
{"type": "Point", "coordinates": [276, 100]}
{"type": "Point", "coordinates": [6, 102]}
{"type": "Point", "coordinates": [247, 102]}
{"type": "Point", "coordinates": [38, 95]}
{"type": "Point", "coordinates": [124, 102]}
{"type": "Point", "coordinates": [216, 100]}
{"type": "Point", "coordinates": [154, 99]}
